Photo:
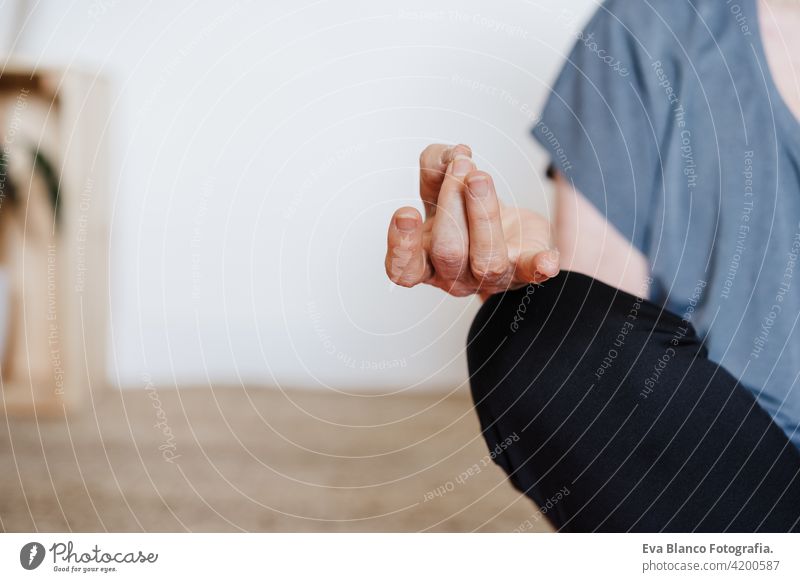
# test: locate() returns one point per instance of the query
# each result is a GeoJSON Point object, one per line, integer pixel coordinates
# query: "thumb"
{"type": "Point", "coordinates": [536, 266]}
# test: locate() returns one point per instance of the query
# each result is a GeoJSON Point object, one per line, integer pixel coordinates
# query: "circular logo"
{"type": "Point", "coordinates": [31, 555]}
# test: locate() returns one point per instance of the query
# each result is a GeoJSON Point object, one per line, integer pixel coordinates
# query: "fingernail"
{"type": "Point", "coordinates": [462, 166]}
{"type": "Point", "coordinates": [478, 185]}
{"type": "Point", "coordinates": [462, 150]}
{"type": "Point", "coordinates": [405, 223]}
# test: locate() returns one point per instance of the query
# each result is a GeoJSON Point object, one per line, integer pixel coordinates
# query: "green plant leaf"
{"type": "Point", "coordinates": [8, 191]}
{"type": "Point", "coordinates": [48, 172]}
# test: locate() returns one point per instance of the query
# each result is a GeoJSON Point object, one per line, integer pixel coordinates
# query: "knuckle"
{"type": "Point", "coordinates": [448, 255]}
{"type": "Point", "coordinates": [489, 271]}
{"type": "Point", "coordinates": [489, 213]}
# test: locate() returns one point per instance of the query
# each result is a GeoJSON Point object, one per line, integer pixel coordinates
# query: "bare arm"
{"type": "Point", "coordinates": [588, 244]}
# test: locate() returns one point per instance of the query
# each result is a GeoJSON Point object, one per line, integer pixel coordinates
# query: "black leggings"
{"type": "Point", "coordinates": [605, 410]}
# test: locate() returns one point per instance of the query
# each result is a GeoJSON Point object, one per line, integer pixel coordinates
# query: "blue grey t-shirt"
{"type": "Point", "coordinates": [666, 118]}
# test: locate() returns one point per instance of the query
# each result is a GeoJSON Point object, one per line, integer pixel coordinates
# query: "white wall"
{"type": "Point", "coordinates": [260, 149]}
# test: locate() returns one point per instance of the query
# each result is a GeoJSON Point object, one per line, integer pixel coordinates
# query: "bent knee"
{"type": "Point", "coordinates": [515, 350]}
{"type": "Point", "coordinates": [548, 346]}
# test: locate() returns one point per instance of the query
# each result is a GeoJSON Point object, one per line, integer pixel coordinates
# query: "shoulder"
{"type": "Point", "coordinates": [658, 24]}
{"type": "Point", "coordinates": [651, 13]}
{"type": "Point", "coordinates": [666, 33]}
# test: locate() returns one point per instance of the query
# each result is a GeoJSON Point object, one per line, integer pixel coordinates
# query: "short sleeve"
{"type": "Point", "coordinates": [601, 121]}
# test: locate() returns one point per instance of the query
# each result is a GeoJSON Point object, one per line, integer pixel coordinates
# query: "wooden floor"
{"type": "Point", "coordinates": [256, 460]}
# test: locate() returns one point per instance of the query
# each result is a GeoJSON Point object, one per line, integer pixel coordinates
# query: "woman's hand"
{"type": "Point", "coordinates": [469, 242]}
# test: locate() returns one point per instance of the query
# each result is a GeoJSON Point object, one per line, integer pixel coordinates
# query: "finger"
{"type": "Point", "coordinates": [433, 164]}
{"type": "Point", "coordinates": [488, 255]}
{"type": "Point", "coordinates": [450, 232]}
{"type": "Point", "coordinates": [406, 264]}
{"type": "Point", "coordinates": [537, 266]}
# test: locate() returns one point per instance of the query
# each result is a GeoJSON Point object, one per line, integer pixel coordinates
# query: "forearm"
{"type": "Point", "coordinates": [589, 244]}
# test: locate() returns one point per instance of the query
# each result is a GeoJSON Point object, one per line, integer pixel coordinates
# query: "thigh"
{"type": "Point", "coordinates": [606, 410]}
